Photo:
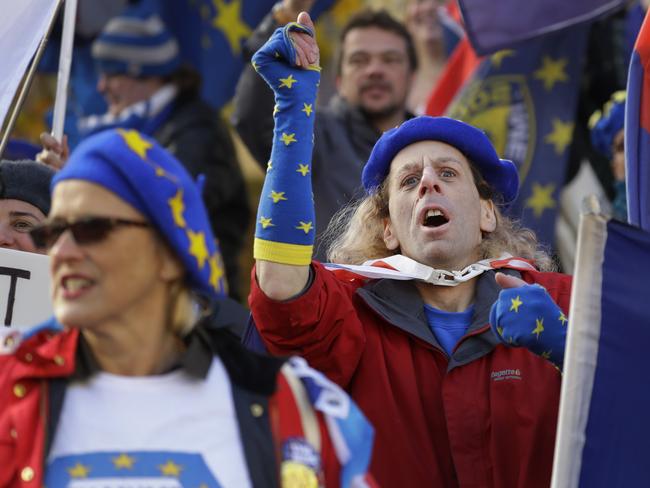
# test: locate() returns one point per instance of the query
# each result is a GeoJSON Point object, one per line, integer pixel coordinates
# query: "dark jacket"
{"type": "Point", "coordinates": [343, 138]}
{"type": "Point", "coordinates": [200, 139]}
{"type": "Point", "coordinates": [484, 417]}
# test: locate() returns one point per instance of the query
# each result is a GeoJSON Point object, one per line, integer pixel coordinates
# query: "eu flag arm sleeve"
{"type": "Point", "coordinates": [284, 228]}
{"type": "Point", "coordinates": [526, 316]}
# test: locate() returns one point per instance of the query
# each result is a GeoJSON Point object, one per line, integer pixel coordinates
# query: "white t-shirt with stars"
{"type": "Point", "coordinates": [171, 430]}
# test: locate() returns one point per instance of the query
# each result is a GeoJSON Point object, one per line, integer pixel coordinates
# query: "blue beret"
{"type": "Point", "coordinates": [152, 181]}
{"type": "Point", "coordinates": [606, 124]}
{"type": "Point", "coordinates": [500, 174]}
{"type": "Point", "coordinates": [136, 43]}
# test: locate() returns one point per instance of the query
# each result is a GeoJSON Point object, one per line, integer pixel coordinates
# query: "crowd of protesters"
{"type": "Point", "coordinates": [385, 259]}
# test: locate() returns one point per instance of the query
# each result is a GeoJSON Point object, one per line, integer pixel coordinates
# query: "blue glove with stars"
{"type": "Point", "coordinates": [526, 316]}
{"type": "Point", "coordinates": [284, 231]}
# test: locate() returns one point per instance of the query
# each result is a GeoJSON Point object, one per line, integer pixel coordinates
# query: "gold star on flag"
{"type": "Point", "coordinates": [551, 72]}
{"type": "Point", "coordinates": [228, 20]}
{"type": "Point", "coordinates": [276, 109]}
{"type": "Point", "coordinates": [562, 318]}
{"type": "Point", "coordinates": [498, 56]}
{"type": "Point", "coordinates": [135, 142]}
{"type": "Point", "coordinates": [160, 172]}
{"type": "Point", "coordinates": [303, 169]}
{"type": "Point", "coordinates": [306, 226]}
{"type": "Point", "coordinates": [254, 65]}
{"type": "Point", "coordinates": [269, 166]}
{"type": "Point", "coordinates": [307, 108]}
{"type": "Point", "coordinates": [266, 222]}
{"type": "Point", "coordinates": [515, 303]}
{"type": "Point", "coordinates": [170, 468]}
{"type": "Point", "coordinates": [276, 196]}
{"type": "Point", "coordinates": [500, 331]}
{"type": "Point", "coordinates": [288, 138]}
{"type": "Point", "coordinates": [123, 461]}
{"type": "Point", "coordinates": [539, 327]}
{"type": "Point", "coordinates": [561, 135]}
{"type": "Point", "coordinates": [541, 199]}
{"type": "Point", "coordinates": [178, 207]}
{"type": "Point", "coordinates": [79, 471]}
{"type": "Point", "coordinates": [547, 354]}
{"type": "Point", "coordinates": [198, 248]}
{"type": "Point", "coordinates": [287, 82]}
{"type": "Point", "coordinates": [216, 270]}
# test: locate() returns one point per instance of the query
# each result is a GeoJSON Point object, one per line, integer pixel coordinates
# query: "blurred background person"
{"type": "Point", "coordinates": [146, 88]}
{"type": "Point", "coordinates": [24, 201]}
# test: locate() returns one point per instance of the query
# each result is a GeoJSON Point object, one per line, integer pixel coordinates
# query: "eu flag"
{"type": "Point", "coordinates": [603, 427]}
{"type": "Point", "coordinates": [211, 34]}
{"type": "Point", "coordinates": [494, 25]}
{"type": "Point", "coordinates": [637, 131]}
{"type": "Point", "coordinates": [525, 100]}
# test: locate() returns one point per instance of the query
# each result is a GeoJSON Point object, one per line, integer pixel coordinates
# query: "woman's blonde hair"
{"type": "Point", "coordinates": [356, 233]}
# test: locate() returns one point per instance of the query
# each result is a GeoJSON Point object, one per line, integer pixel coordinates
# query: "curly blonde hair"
{"type": "Point", "coordinates": [356, 233]}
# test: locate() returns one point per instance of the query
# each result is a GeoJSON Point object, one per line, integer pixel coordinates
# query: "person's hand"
{"type": "Point", "coordinates": [54, 153]}
{"type": "Point", "coordinates": [288, 10]}
{"type": "Point", "coordinates": [526, 316]}
{"type": "Point", "coordinates": [307, 52]}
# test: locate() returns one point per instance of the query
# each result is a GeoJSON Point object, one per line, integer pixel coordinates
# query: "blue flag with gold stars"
{"type": "Point", "coordinates": [211, 34]}
{"type": "Point", "coordinates": [525, 99]}
{"type": "Point", "coordinates": [603, 427]}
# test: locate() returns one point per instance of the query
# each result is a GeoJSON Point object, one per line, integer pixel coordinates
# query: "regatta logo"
{"type": "Point", "coordinates": [506, 374]}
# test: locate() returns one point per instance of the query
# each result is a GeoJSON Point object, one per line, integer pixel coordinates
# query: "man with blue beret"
{"type": "Point", "coordinates": [430, 290]}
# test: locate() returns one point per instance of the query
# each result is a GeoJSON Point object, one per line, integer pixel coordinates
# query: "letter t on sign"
{"type": "Point", "coordinates": [15, 274]}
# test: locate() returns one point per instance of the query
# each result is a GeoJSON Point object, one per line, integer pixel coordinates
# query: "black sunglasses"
{"type": "Point", "coordinates": [87, 230]}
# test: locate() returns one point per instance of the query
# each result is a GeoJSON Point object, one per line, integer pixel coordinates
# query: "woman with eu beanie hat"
{"type": "Point", "coordinates": [24, 201]}
{"type": "Point", "coordinates": [131, 382]}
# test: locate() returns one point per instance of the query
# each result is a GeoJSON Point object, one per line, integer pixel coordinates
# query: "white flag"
{"type": "Point", "coordinates": [22, 26]}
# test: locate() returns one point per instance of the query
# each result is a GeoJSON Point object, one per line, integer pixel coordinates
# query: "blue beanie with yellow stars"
{"type": "Point", "coordinates": [607, 123]}
{"type": "Point", "coordinates": [152, 181]}
{"type": "Point", "coordinates": [285, 221]}
{"type": "Point", "coordinates": [501, 174]}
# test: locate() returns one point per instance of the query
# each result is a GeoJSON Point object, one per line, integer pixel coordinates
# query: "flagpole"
{"type": "Point", "coordinates": [65, 58]}
{"type": "Point", "coordinates": [27, 81]}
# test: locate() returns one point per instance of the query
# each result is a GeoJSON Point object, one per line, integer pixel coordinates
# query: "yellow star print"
{"type": "Point", "coordinates": [500, 331]}
{"type": "Point", "coordinates": [266, 222]}
{"type": "Point", "coordinates": [178, 207]}
{"type": "Point", "coordinates": [79, 471]}
{"type": "Point", "coordinates": [307, 108]}
{"type": "Point", "coordinates": [551, 72]}
{"type": "Point", "coordinates": [561, 135]}
{"type": "Point", "coordinates": [288, 138]}
{"type": "Point", "coordinates": [276, 196]}
{"type": "Point", "coordinates": [287, 82]}
{"type": "Point", "coordinates": [135, 142]}
{"type": "Point", "coordinates": [515, 304]}
{"type": "Point", "coordinates": [123, 461]}
{"type": "Point", "coordinates": [216, 270]}
{"type": "Point", "coordinates": [303, 169]}
{"type": "Point", "coordinates": [306, 226]}
{"type": "Point", "coordinates": [498, 56]}
{"type": "Point", "coordinates": [228, 20]}
{"type": "Point", "coordinates": [539, 327]}
{"type": "Point", "coordinates": [541, 199]}
{"type": "Point", "coordinates": [198, 248]}
{"type": "Point", "coordinates": [170, 468]}
{"type": "Point", "coordinates": [562, 318]}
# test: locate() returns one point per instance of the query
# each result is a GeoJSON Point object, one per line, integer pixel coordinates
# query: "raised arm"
{"type": "Point", "coordinates": [284, 232]}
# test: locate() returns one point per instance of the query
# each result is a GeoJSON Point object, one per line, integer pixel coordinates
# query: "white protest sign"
{"type": "Point", "coordinates": [24, 289]}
